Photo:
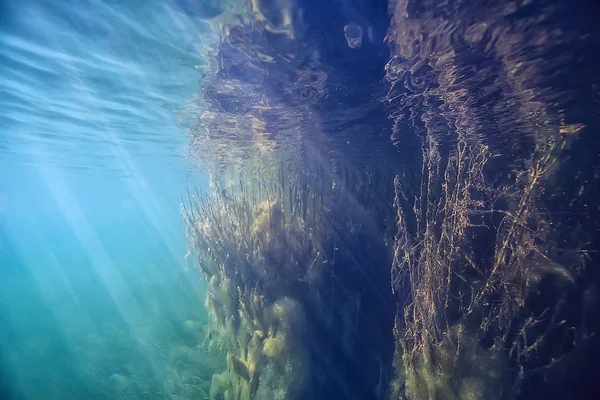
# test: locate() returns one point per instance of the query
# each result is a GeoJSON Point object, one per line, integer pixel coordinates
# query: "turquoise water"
{"type": "Point", "coordinates": [94, 291]}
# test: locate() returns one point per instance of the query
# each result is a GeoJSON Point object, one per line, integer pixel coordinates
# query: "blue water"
{"type": "Point", "coordinates": [94, 290]}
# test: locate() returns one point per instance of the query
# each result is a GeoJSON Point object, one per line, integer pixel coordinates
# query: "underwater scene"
{"type": "Point", "coordinates": [299, 199]}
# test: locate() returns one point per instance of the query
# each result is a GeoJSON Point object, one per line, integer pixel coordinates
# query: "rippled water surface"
{"type": "Point", "coordinates": [87, 84]}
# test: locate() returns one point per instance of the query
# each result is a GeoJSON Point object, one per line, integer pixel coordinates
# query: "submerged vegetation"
{"type": "Point", "coordinates": [326, 249]}
{"type": "Point", "coordinates": [469, 259]}
{"type": "Point", "coordinates": [484, 287]}
{"type": "Point", "coordinates": [286, 260]}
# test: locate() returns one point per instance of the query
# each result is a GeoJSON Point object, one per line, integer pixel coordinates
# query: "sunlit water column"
{"type": "Point", "coordinates": [92, 275]}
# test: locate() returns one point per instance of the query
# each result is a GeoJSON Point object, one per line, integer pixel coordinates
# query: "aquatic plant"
{"type": "Point", "coordinates": [270, 250]}
{"type": "Point", "coordinates": [307, 205]}
{"type": "Point", "coordinates": [481, 283]}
